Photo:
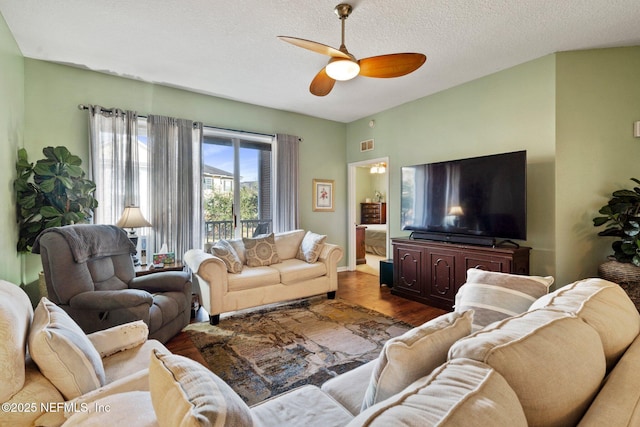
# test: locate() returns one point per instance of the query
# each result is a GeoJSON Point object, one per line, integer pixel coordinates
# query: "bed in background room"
{"type": "Point", "coordinates": [375, 240]}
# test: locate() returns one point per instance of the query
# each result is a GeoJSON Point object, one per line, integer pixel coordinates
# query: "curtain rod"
{"type": "Point", "coordinates": [84, 107]}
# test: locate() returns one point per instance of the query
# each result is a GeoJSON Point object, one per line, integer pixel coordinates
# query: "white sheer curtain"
{"type": "Point", "coordinates": [286, 214]}
{"type": "Point", "coordinates": [175, 163]}
{"type": "Point", "coordinates": [113, 135]}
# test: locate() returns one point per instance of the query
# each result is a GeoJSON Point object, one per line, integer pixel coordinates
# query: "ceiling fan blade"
{"type": "Point", "coordinates": [321, 84]}
{"type": "Point", "coordinates": [315, 47]}
{"type": "Point", "coordinates": [392, 65]}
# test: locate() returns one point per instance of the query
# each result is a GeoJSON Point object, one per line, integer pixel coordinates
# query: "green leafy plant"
{"type": "Point", "coordinates": [621, 217]}
{"type": "Point", "coordinates": [52, 193]}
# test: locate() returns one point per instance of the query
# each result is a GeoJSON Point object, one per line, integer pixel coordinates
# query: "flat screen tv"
{"type": "Point", "coordinates": [474, 200]}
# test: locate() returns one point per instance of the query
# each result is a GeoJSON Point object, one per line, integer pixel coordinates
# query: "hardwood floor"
{"type": "Point", "coordinates": [353, 286]}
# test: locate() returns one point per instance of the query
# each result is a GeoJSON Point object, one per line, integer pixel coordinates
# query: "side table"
{"type": "Point", "coordinates": [142, 270]}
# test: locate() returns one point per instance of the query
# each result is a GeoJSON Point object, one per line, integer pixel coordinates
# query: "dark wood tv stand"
{"type": "Point", "coordinates": [432, 272]}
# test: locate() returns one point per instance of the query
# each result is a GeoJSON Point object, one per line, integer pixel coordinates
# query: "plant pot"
{"type": "Point", "coordinates": [624, 274]}
{"type": "Point", "coordinates": [619, 272]}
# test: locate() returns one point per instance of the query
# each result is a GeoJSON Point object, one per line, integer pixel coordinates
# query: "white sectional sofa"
{"type": "Point", "coordinates": [50, 369]}
{"type": "Point", "coordinates": [572, 358]}
{"type": "Point", "coordinates": [304, 265]}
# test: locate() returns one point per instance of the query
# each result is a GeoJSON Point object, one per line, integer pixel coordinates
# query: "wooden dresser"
{"type": "Point", "coordinates": [432, 272]}
{"type": "Point", "coordinates": [360, 247]}
{"type": "Point", "coordinates": [373, 213]}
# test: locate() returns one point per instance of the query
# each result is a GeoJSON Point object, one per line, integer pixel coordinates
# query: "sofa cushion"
{"type": "Point", "coordinates": [603, 305]}
{"type": "Point", "coordinates": [294, 270]}
{"type": "Point", "coordinates": [253, 277]}
{"type": "Point", "coordinates": [414, 354]}
{"type": "Point", "coordinates": [15, 317]}
{"type": "Point", "coordinates": [617, 403]}
{"type": "Point", "coordinates": [459, 393]}
{"type": "Point", "coordinates": [185, 393]}
{"type": "Point", "coordinates": [132, 408]}
{"type": "Point", "coordinates": [63, 352]}
{"type": "Point", "coordinates": [303, 406]}
{"type": "Point", "coordinates": [288, 243]}
{"type": "Point", "coordinates": [552, 360]}
{"type": "Point", "coordinates": [495, 296]}
{"type": "Point", "coordinates": [261, 251]}
{"type": "Point", "coordinates": [349, 388]}
{"type": "Point", "coordinates": [37, 388]}
{"type": "Point", "coordinates": [223, 250]}
{"type": "Point", "coordinates": [311, 247]}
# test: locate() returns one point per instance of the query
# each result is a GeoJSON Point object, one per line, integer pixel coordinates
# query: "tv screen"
{"type": "Point", "coordinates": [480, 196]}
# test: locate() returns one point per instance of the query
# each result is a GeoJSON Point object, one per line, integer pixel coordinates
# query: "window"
{"type": "Point", "coordinates": [239, 166]}
{"type": "Point", "coordinates": [236, 177]}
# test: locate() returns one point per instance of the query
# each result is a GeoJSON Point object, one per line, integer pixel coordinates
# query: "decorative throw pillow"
{"type": "Point", "coordinates": [63, 352]}
{"type": "Point", "coordinates": [496, 296]}
{"type": "Point", "coordinates": [261, 251]}
{"type": "Point", "coordinates": [311, 247]}
{"type": "Point", "coordinates": [414, 354]}
{"type": "Point", "coordinates": [238, 246]}
{"type": "Point", "coordinates": [223, 250]}
{"type": "Point", "coordinates": [185, 393]}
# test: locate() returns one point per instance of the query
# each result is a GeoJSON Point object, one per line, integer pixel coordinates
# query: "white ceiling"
{"type": "Point", "coordinates": [229, 49]}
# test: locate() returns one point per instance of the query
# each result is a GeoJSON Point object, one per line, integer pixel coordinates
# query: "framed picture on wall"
{"type": "Point", "coordinates": [323, 197]}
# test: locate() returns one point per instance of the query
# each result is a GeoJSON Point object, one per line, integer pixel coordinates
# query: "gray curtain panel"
{"type": "Point", "coordinates": [175, 163]}
{"type": "Point", "coordinates": [286, 216]}
{"type": "Point", "coordinates": [114, 161]}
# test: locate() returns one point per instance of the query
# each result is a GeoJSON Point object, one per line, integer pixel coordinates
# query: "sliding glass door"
{"type": "Point", "coordinates": [237, 184]}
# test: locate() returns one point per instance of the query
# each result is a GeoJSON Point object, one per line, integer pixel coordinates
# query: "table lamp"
{"type": "Point", "coordinates": [132, 218]}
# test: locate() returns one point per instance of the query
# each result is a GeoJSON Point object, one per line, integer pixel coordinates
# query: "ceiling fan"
{"type": "Point", "coordinates": [344, 66]}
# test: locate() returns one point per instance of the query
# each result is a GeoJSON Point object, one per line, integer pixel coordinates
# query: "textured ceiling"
{"type": "Point", "coordinates": [229, 49]}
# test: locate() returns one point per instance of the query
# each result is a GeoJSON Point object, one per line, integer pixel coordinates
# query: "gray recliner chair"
{"type": "Point", "coordinates": [90, 274]}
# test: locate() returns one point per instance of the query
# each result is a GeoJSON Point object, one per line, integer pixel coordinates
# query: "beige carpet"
{"type": "Point", "coordinates": [372, 266]}
{"type": "Point", "coordinates": [265, 352]}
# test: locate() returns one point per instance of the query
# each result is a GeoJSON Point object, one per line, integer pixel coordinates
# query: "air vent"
{"type": "Point", "coordinates": [366, 145]}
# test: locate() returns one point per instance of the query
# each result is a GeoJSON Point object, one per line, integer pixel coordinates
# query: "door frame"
{"type": "Point", "coordinates": [353, 207]}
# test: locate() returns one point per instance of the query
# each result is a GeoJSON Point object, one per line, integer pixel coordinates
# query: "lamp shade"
{"type": "Point", "coordinates": [456, 211]}
{"type": "Point", "coordinates": [132, 218]}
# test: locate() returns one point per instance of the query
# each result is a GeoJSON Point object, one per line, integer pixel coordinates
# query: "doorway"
{"type": "Point", "coordinates": [368, 181]}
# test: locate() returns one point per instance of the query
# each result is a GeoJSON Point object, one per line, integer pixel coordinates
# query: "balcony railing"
{"type": "Point", "coordinates": [216, 230]}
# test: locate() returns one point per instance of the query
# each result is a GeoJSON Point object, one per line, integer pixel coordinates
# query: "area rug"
{"type": "Point", "coordinates": [265, 352]}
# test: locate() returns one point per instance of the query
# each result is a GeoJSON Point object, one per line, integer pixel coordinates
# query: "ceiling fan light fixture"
{"type": "Point", "coordinates": [342, 69]}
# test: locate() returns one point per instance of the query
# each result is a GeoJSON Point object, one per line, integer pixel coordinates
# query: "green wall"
{"type": "Point", "coordinates": [11, 136]}
{"type": "Point", "coordinates": [507, 111]}
{"type": "Point", "coordinates": [598, 99]}
{"type": "Point", "coordinates": [571, 111]}
{"type": "Point", "coordinates": [52, 117]}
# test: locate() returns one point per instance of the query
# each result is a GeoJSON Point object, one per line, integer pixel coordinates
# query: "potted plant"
{"type": "Point", "coordinates": [621, 216]}
{"type": "Point", "coordinates": [53, 192]}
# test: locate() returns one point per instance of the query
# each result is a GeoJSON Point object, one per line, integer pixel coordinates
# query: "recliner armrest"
{"type": "Point", "coordinates": [165, 281]}
{"type": "Point", "coordinates": [111, 300]}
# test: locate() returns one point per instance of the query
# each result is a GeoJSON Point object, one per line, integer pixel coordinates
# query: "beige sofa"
{"type": "Point", "coordinates": [290, 278]}
{"type": "Point", "coordinates": [572, 358]}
